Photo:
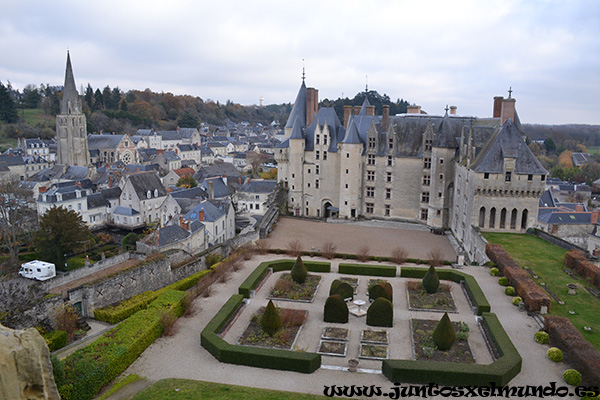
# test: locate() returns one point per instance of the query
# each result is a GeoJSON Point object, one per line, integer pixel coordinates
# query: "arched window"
{"type": "Point", "coordinates": [524, 215]}
{"type": "Point", "coordinates": [492, 218]}
{"type": "Point", "coordinates": [513, 219]}
{"type": "Point", "coordinates": [481, 217]}
{"type": "Point", "coordinates": [503, 218]}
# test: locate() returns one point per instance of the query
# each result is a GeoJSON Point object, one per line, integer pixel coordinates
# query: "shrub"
{"type": "Point", "coordinates": [299, 271]}
{"type": "Point", "coordinates": [509, 291]}
{"type": "Point", "coordinates": [328, 250]}
{"type": "Point", "coordinates": [262, 246]}
{"type": "Point", "coordinates": [517, 300]}
{"type": "Point", "coordinates": [129, 241]}
{"type": "Point", "coordinates": [503, 281]}
{"type": "Point", "coordinates": [58, 370]}
{"type": "Point", "coordinates": [270, 322]}
{"type": "Point", "coordinates": [363, 253]}
{"type": "Point", "coordinates": [371, 270]}
{"type": "Point", "coordinates": [56, 339]}
{"type": "Point", "coordinates": [65, 318]}
{"type": "Point", "coordinates": [572, 377]}
{"type": "Point", "coordinates": [444, 334]}
{"type": "Point", "coordinates": [335, 310]}
{"type": "Point", "coordinates": [542, 337]}
{"type": "Point", "coordinates": [462, 335]}
{"type": "Point", "coordinates": [341, 288]}
{"type": "Point", "coordinates": [295, 247]}
{"type": "Point", "coordinates": [494, 271]}
{"type": "Point", "coordinates": [399, 255]}
{"type": "Point", "coordinates": [431, 282]}
{"type": "Point", "coordinates": [435, 257]}
{"type": "Point", "coordinates": [382, 289]}
{"type": "Point", "coordinates": [380, 313]}
{"type": "Point", "coordinates": [555, 354]}
{"type": "Point", "coordinates": [212, 258]}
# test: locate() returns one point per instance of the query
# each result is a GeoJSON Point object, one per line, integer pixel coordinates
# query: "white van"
{"type": "Point", "coordinates": [37, 270]}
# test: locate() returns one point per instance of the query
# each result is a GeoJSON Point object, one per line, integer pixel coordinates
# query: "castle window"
{"type": "Point", "coordinates": [371, 142]}
{"type": "Point", "coordinates": [324, 139]}
{"type": "Point", "coordinates": [428, 145]}
{"type": "Point", "coordinates": [347, 171]}
{"type": "Point", "coordinates": [543, 178]}
{"type": "Point", "coordinates": [324, 155]}
{"type": "Point", "coordinates": [369, 208]}
{"type": "Point", "coordinates": [317, 155]}
{"type": "Point", "coordinates": [425, 197]}
{"type": "Point", "coordinates": [426, 180]}
{"type": "Point", "coordinates": [390, 160]}
{"type": "Point", "coordinates": [317, 184]}
{"type": "Point", "coordinates": [441, 161]}
{"type": "Point", "coordinates": [486, 175]}
{"type": "Point", "coordinates": [388, 193]}
{"type": "Point", "coordinates": [507, 177]}
{"type": "Point", "coordinates": [309, 170]}
{"type": "Point", "coordinates": [317, 169]}
{"type": "Point", "coordinates": [370, 192]}
{"type": "Point", "coordinates": [149, 194]}
{"type": "Point", "coordinates": [388, 177]}
{"type": "Point", "coordinates": [387, 210]}
{"type": "Point", "coordinates": [529, 177]}
{"type": "Point", "coordinates": [308, 184]}
{"type": "Point", "coordinates": [346, 186]}
{"type": "Point", "coordinates": [371, 159]}
{"type": "Point", "coordinates": [439, 194]}
{"type": "Point", "coordinates": [441, 177]}
{"type": "Point", "coordinates": [317, 139]}
{"type": "Point", "coordinates": [155, 192]}
{"type": "Point", "coordinates": [293, 175]}
{"type": "Point", "coordinates": [426, 163]}
{"type": "Point", "coordinates": [424, 214]}
{"type": "Point", "coordinates": [391, 143]}
{"type": "Point", "coordinates": [347, 155]}
{"type": "Point", "coordinates": [370, 175]}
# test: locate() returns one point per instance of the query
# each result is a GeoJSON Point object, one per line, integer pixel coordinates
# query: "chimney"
{"type": "Point", "coordinates": [347, 114]}
{"type": "Point", "coordinates": [310, 105]}
{"type": "Point", "coordinates": [42, 189]}
{"type": "Point", "coordinates": [594, 217]}
{"type": "Point", "coordinates": [211, 189]}
{"type": "Point", "coordinates": [110, 181]}
{"type": "Point", "coordinates": [356, 110]}
{"type": "Point", "coordinates": [78, 184]}
{"type": "Point", "coordinates": [579, 207]}
{"type": "Point", "coordinates": [497, 106]}
{"type": "Point", "coordinates": [386, 117]}
{"type": "Point", "coordinates": [413, 110]}
{"type": "Point", "coordinates": [453, 110]}
{"type": "Point", "coordinates": [371, 111]}
{"type": "Point", "coordinates": [508, 110]}
{"type": "Point", "coordinates": [201, 215]}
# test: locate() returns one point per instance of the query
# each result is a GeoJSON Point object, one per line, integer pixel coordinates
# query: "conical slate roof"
{"type": "Point", "coordinates": [365, 104]}
{"type": "Point", "coordinates": [352, 135]}
{"type": "Point", "coordinates": [71, 102]}
{"type": "Point", "coordinates": [444, 137]}
{"type": "Point", "coordinates": [299, 109]}
{"type": "Point", "coordinates": [296, 130]}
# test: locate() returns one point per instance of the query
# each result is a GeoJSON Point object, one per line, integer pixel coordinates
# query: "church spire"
{"type": "Point", "coordinates": [71, 102]}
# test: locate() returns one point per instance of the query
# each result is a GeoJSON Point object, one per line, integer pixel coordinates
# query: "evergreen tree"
{"type": "Point", "coordinates": [431, 282]}
{"type": "Point", "coordinates": [89, 96]}
{"type": "Point", "coordinates": [270, 322]}
{"type": "Point", "coordinates": [98, 100]}
{"type": "Point", "coordinates": [299, 271]}
{"type": "Point", "coordinates": [107, 97]}
{"type": "Point", "coordinates": [8, 109]}
{"type": "Point", "coordinates": [444, 334]}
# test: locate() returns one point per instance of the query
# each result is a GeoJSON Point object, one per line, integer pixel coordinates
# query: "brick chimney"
{"type": "Point", "coordinates": [201, 215]}
{"type": "Point", "coordinates": [211, 189]}
{"type": "Point", "coordinates": [356, 110]}
{"type": "Point", "coordinates": [386, 117]}
{"type": "Point", "coordinates": [371, 111]}
{"type": "Point", "coordinates": [579, 207]}
{"type": "Point", "coordinates": [43, 189]}
{"type": "Point", "coordinates": [497, 106]}
{"type": "Point", "coordinates": [508, 110]}
{"type": "Point", "coordinates": [413, 110]}
{"type": "Point", "coordinates": [453, 110]}
{"type": "Point", "coordinates": [312, 104]}
{"type": "Point", "coordinates": [78, 184]}
{"type": "Point", "coordinates": [347, 115]}
{"type": "Point", "coordinates": [110, 181]}
{"type": "Point", "coordinates": [594, 219]}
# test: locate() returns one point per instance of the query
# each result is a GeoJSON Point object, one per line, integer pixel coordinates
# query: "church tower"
{"type": "Point", "coordinates": [71, 128]}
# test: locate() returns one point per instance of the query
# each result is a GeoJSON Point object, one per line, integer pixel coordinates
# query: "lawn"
{"type": "Point", "coordinates": [547, 262]}
{"type": "Point", "coordinates": [183, 389]}
{"type": "Point", "coordinates": [35, 116]}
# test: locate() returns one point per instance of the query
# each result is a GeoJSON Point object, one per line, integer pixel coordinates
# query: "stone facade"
{"type": "Point", "coordinates": [449, 172]}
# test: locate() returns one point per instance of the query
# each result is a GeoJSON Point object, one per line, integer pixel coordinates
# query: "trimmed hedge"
{"type": "Point", "coordinates": [577, 352]}
{"type": "Point", "coordinates": [342, 288]}
{"type": "Point", "coordinates": [575, 259]}
{"type": "Point", "coordinates": [382, 289]}
{"type": "Point", "coordinates": [499, 372]}
{"type": "Point", "coordinates": [285, 360]}
{"type": "Point", "coordinates": [89, 369]}
{"type": "Point", "coordinates": [123, 310]}
{"type": "Point", "coordinates": [259, 273]}
{"type": "Point", "coordinates": [335, 310]}
{"type": "Point", "coordinates": [475, 293]}
{"type": "Point", "coordinates": [380, 313]}
{"type": "Point", "coordinates": [56, 340]}
{"type": "Point", "coordinates": [371, 270]}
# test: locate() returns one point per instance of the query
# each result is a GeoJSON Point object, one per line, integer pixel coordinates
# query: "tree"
{"type": "Point", "coordinates": [299, 272]}
{"type": "Point", "coordinates": [270, 322]}
{"type": "Point", "coordinates": [431, 282]}
{"type": "Point", "coordinates": [550, 145]}
{"type": "Point", "coordinates": [188, 121]}
{"type": "Point", "coordinates": [187, 181]}
{"type": "Point", "coordinates": [444, 334]}
{"type": "Point", "coordinates": [61, 232]}
{"type": "Point", "coordinates": [255, 160]}
{"type": "Point", "coordinates": [15, 219]}
{"type": "Point", "coordinates": [89, 96]}
{"type": "Point", "coordinates": [8, 109]}
{"type": "Point", "coordinates": [130, 240]}
{"type": "Point", "coordinates": [98, 100]}
{"type": "Point", "coordinates": [31, 97]}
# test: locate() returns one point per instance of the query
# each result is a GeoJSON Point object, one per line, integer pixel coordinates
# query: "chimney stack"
{"type": "Point", "coordinates": [497, 106]}
{"type": "Point", "coordinates": [312, 104]}
{"type": "Point", "coordinates": [347, 115]}
{"type": "Point", "coordinates": [356, 110]}
{"type": "Point", "coordinates": [211, 189]}
{"type": "Point", "coordinates": [453, 110]}
{"type": "Point", "coordinates": [594, 217]}
{"type": "Point", "coordinates": [508, 110]}
{"type": "Point", "coordinates": [371, 111]}
{"type": "Point", "coordinates": [386, 117]}
{"type": "Point", "coordinates": [201, 215]}
{"type": "Point", "coordinates": [413, 110]}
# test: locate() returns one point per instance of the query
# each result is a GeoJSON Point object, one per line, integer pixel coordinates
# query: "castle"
{"type": "Point", "coordinates": [449, 172]}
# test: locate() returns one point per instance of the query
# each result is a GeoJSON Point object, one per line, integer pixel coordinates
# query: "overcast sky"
{"type": "Point", "coordinates": [431, 53]}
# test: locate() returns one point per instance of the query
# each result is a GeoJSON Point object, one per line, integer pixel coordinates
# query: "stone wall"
{"type": "Point", "coordinates": [477, 250]}
{"type": "Point", "coordinates": [558, 241]}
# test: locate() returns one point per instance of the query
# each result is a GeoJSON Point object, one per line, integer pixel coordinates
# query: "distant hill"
{"type": "Point", "coordinates": [588, 135]}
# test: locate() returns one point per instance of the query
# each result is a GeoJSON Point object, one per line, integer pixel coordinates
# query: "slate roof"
{"type": "Point", "coordinates": [11, 161]}
{"type": "Point", "coordinates": [507, 142]}
{"type": "Point", "coordinates": [144, 181]}
{"type": "Point", "coordinates": [70, 94]}
{"type": "Point", "coordinates": [188, 147]}
{"type": "Point", "coordinates": [299, 108]}
{"type": "Point", "coordinates": [192, 193]}
{"type": "Point", "coordinates": [145, 132]}
{"type": "Point", "coordinates": [565, 218]}
{"type": "Point", "coordinates": [547, 199]}
{"type": "Point", "coordinates": [444, 137]}
{"type": "Point", "coordinates": [111, 193]}
{"type": "Point", "coordinates": [169, 135]}
{"type": "Point", "coordinates": [120, 210]}
{"type": "Point", "coordinates": [352, 135]}
{"type": "Point", "coordinates": [171, 155]}
{"type": "Point", "coordinates": [96, 200]}
{"type": "Point", "coordinates": [252, 186]}
{"type": "Point", "coordinates": [171, 234]}
{"type": "Point", "coordinates": [102, 142]}
{"type": "Point", "coordinates": [187, 132]}
{"type": "Point", "coordinates": [220, 188]}
{"type": "Point", "coordinates": [211, 212]}
{"type": "Point", "coordinates": [75, 172]}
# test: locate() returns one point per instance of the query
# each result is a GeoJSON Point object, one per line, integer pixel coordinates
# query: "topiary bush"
{"type": "Point", "coordinates": [555, 354]}
{"type": "Point", "coordinates": [380, 313]}
{"type": "Point", "coordinates": [572, 377]}
{"type": "Point", "coordinates": [503, 281]}
{"type": "Point", "coordinates": [270, 322]}
{"type": "Point", "coordinates": [444, 334]}
{"type": "Point", "coordinates": [431, 282]}
{"type": "Point", "coordinates": [382, 289]}
{"type": "Point", "coordinates": [517, 300]}
{"type": "Point", "coordinates": [341, 288]}
{"type": "Point", "coordinates": [542, 337]}
{"type": "Point", "coordinates": [299, 271]}
{"type": "Point", "coordinates": [509, 291]}
{"type": "Point", "coordinates": [494, 271]}
{"type": "Point", "coordinates": [335, 310]}
{"type": "Point", "coordinates": [56, 339]}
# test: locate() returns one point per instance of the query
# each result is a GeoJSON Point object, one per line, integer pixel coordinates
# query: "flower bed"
{"type": "Point", "coordinates": [333, 348]}
{"type": "Point", "coordinates": [335, 333]}
{"type": "Point", "coordinates": [424, 348]}
{"type": "Point", "coordinates": [373, 351]}
{"type": "Point", "coordinates": [291, 323]}
{"type": "Point", "coordinates": [419, 299]}
{"type": "Point", "coordinates": [287, 289]}
{"type": "Point", "coordinates": [370, 336]}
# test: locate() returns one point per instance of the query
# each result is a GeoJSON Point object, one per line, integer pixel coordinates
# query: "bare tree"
{"type": "Point", "coordinates": [435, 257]}
{"type": "Point", "coordinates": [15, 217]}
{"type": "Point", "coordinates": [399, 255]}
{"type": "Point", "coordinates": [363, 253]}
{"type": "Point", "coordinates": [255, 160]}
{"type": "Point", "coordinates": [328, 250]}
{"type": "Point", "coordinates": [295, 247]}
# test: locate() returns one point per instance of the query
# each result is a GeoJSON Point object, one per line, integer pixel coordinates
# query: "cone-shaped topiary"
{"type": "Point", "coordinates": [299, 272]}
{"type": "Point", "coordinates": [444, 334]}
{"type": "Point", "coordinates": [270, 322]}
{"type": "Point", "coordinates": [342, 288]}
{"type": "Point", "coordinates": [336, 310]}
{"type": "Point", "coordinates": [380, 313]}
{"type": "Point", "coordinates": [383, 289]}
{"type": "Point", "coordinates": [431, 282]}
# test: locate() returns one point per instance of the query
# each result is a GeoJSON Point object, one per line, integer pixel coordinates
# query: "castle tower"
{"type": "Point", "coordinates": [351, 185]}
{"type": "Point", "coordinates": [71, 128]}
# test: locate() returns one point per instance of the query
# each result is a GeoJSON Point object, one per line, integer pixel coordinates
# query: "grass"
{"type": "Point", "coordinates": [119, 385]}
{"type": "Point", "coordinates": [547, 262]}
{"type": "Point", "coordinates": [183, 389]}
{"type": "Point", "coordinates": [35, 116]}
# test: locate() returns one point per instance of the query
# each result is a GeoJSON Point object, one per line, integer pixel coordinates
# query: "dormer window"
{"type": "Point", "coordinates": [317, 139]}
{"type": "Point", "coordinates": [149, 194]}
{"type": "Point", "coordinates": [155, 192]}
{"type": "Point", "coordinates": [325, 139]}
{"type": "Point", "coordinates": [507, 177]}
